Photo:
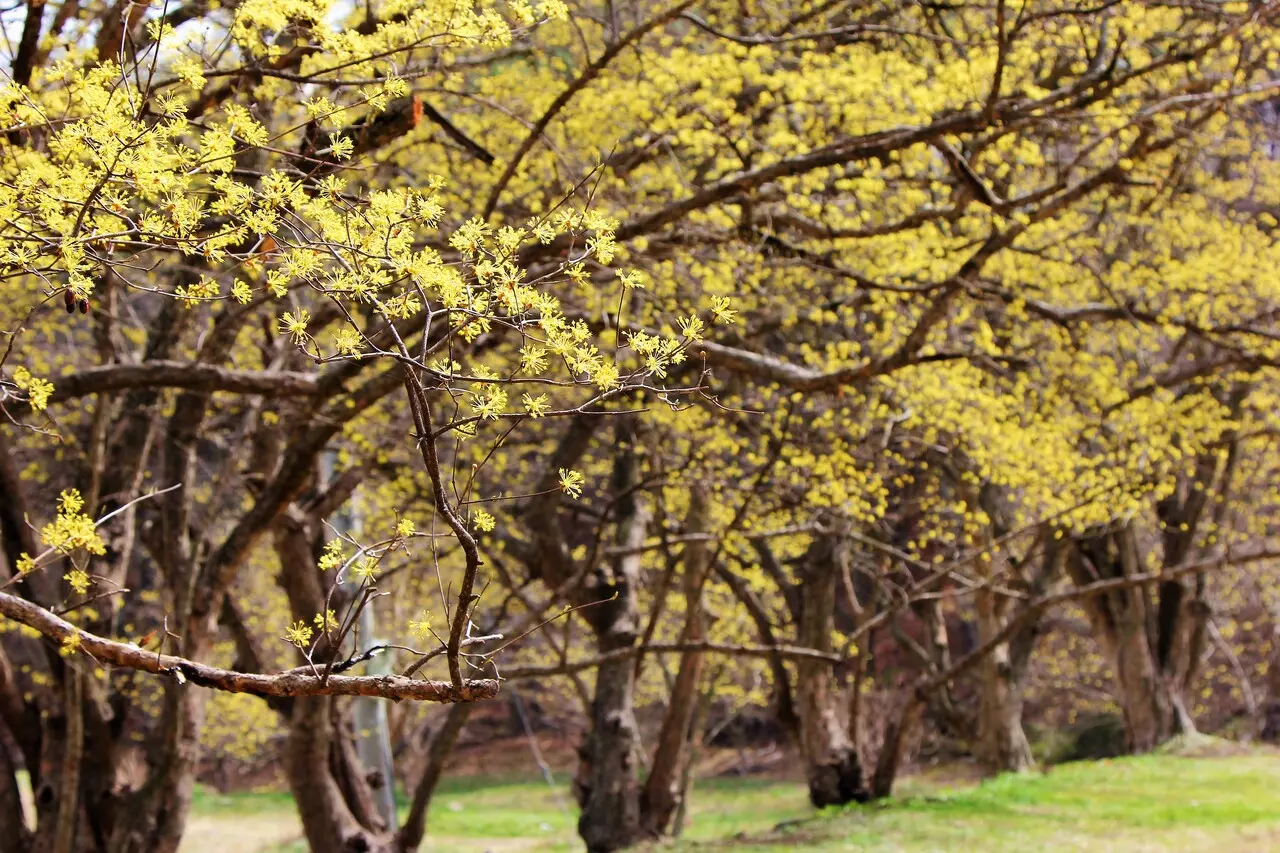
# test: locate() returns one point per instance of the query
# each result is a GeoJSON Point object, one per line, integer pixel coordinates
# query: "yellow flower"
{"type": "Point", "coordinates": [421, 627]}
{"type": "Point", "coordinates": [533, 359]}
{"type": "Point", "coordinates": [535, 406]}
{"type": "Point", "coordinates": [692, 327]}
{"type": "Point", "coordinates": [631, 279]}
{"type": "Point", "coordinates": [70, 644]}
{"type": "Point", "coordinates": [489, 401]}
{"type": "Point", "coordinates": [571, 482]}
{"type": "Point", "coordinates": [79, 580]}
{"type": "Point", "coordinates": [38, 390]}
{"type": "Point", "coordinates": [721, 311]}
{"type": "Point", "coordinates": [341, 147]}
{"type": "Point", "coordinates": [326, 621]}
{"type": "Point", "coordinates": [71, 529]}
{"type": "Point", "coordinates": [347, 341]}
{"type": "Point", "coordinates": [365, 569]}
{"type": "Point", "coordinates": [483, 520]}
{"type": "Point", "coordinates": [299, 633]}
{"type": "Point", "coordinates": [296, 325]}
{"type": "Point", "coordinates": [332, 556]}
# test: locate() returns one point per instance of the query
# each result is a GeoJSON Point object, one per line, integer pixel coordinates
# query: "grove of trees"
{"type": "Point", "coordinates": [854, 363]}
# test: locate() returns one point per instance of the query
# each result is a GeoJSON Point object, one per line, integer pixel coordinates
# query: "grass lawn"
{"type": "Point", "coordinates": [1148, 804]}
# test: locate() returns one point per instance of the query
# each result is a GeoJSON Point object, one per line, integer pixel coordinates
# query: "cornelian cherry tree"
{"type": "Point", "coordinates": [247, 288]}
{"type": "Point", "coordinates": [760, 335]}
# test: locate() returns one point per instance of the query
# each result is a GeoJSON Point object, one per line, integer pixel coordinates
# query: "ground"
{"type": "Point", "coordinates": [1153, 804]}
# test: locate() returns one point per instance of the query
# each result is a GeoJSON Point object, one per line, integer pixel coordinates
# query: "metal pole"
{"type": "Point", "coordinates": [373, 733]}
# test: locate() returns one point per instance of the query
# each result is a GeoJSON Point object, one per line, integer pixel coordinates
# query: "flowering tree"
{"type": "Point", "coordinates": [920, 290]}
{"type": "Point", "coordinates": [248, 289]}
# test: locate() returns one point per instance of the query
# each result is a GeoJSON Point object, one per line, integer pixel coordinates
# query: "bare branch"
{"type": "Point", "coordinates": [181, 374]}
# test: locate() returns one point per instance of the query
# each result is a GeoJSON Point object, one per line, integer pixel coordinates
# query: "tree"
{"type": "Point", "coordinates": [922, 289]}
{"type": "Point", "coordinates": [150, 191]}
{"type": "Point", "coordinates": [949, 258]}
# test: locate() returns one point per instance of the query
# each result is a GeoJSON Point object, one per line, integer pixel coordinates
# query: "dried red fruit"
{"type": "Point", "coordinates": [69, 300]}
{"type": "Point", "coordinates": [84, 305]}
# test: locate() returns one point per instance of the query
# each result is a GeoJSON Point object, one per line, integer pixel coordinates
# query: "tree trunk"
{"type": "Point", "coordinates": [1271, 710]}
{"type": "Point", "coordinates": [16, 835]}
{"type": "Point", "coordinates": [1002, 743]}
{"type": "Point", "coordinates": [663, 790]}
{"type": "Point", "coordinates": [326, 821]}
{"type": "Point", "coordinates": [832, 768]}
{"type": "Point", "coordinates": [442, 744]}
{"type": "Point", "coordinates": [606, 784]}
{"type": "Point", "coordinates": [893, 752]}
{"type": "Point", "coordinates": [1147, 709]}
{"type": "Point", "coordinates": [1124, 623]}
{"type": "Point", "coordinates": [951, 722]}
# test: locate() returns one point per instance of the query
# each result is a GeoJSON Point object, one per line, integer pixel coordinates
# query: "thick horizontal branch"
{"type": "Point", "coordinates": [774, 369]}
{"type": "Point", "coordinates": [182, 374]}
{"type": "Point", "coordinates": [292, 683]}
{"type": "Point", "coordinates": [797, 377]}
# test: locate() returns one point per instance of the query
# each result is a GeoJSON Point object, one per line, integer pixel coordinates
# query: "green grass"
{"type": "Point", "coordinates": [1154, 803]}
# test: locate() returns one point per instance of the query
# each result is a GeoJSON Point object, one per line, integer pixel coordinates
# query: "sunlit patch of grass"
{"type": "Point", "coordinates": [1152, 804]}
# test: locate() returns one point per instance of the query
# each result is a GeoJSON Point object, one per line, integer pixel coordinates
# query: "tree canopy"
{"type": "Point", "coordinates": [577, 339]}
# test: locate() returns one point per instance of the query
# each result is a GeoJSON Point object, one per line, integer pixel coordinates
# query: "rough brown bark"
{"type": "Point", "coordinates": [607, 784]}
{"type": "Point", "coordinates": [832, 766]}
{"type": "Point", "coordinates": [893, 752]}
{"type": "Point", "coordinates": [64, 833]}
{"type": "Point", "coordinates": [1002, 744]}
{"type": "Point", "coordinates": [327, 822]}
{"type": "Point", "coordinates": [333, 799]}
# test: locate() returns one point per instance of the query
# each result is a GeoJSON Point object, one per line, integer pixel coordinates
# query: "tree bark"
{"type": "Point", "coordinates": [607, 787]}
{"type": "Point", "coordinates": [327, 821]}
{"type": "Point", "coordinates": [893, 752]}
{"type": "Point", "coordinates": [1271, 710]}
{"type": "Point", "coordinates": [442, 744]}
{"type": "Point", "coordinates": [1123, 623]}
{"type": "Point", "coordinates": [606, 784]}
{"type": "Point", "coordinates": [1002, 743]}
{"type": "Point", "coordinates": [16, 835]}
{"type": "Point", "coordinates": [64, 833]}
{"type": "Point", "coordinates": [663, 790]}
{"type": "Point", "coordinates": [326, 776]}
{"type": "Point", "coordinates": [832, 767]}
